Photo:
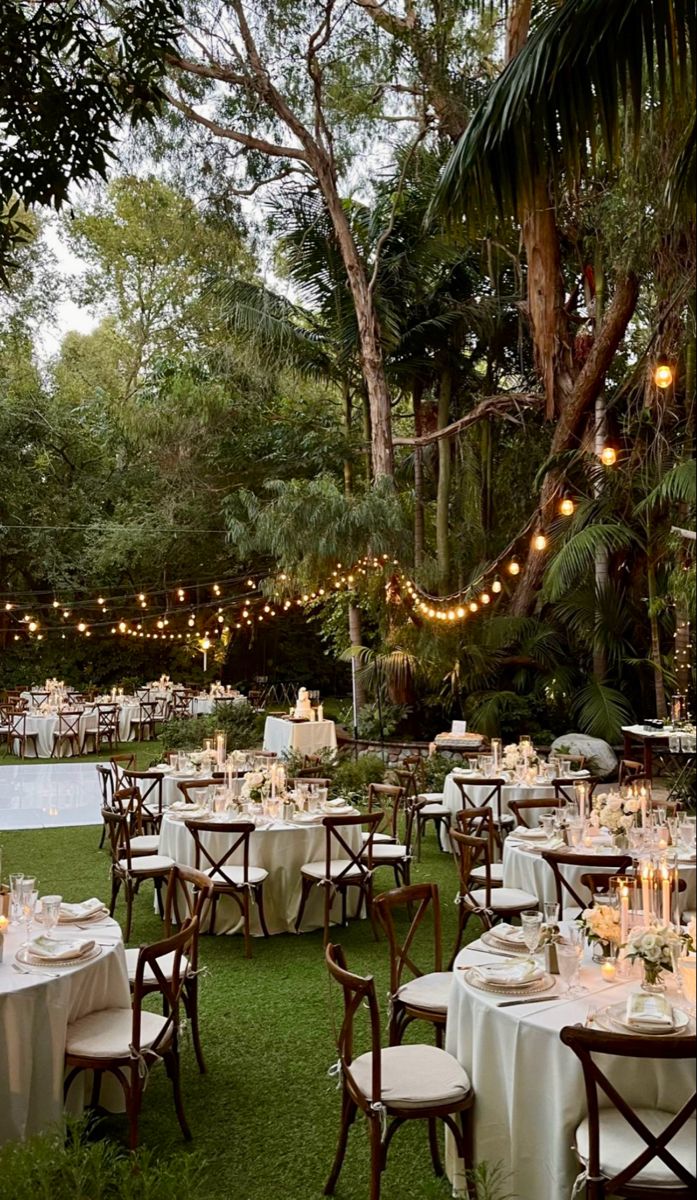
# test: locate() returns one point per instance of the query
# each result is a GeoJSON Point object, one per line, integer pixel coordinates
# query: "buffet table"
{"type": "Point", "coordinates": [284, 736]}
{"type": "Point", "coordinates": [281, 848]}
{"type": "Point", "coordinates": [528, 1086]}
{"type": "Point", "coordinates": [35, 1011]}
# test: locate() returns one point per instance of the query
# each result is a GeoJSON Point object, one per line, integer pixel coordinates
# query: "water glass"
{"type": "Point", "coordinates": [531, 923]}
{"type": "Point", "coordinates": [547, 824]}
{"type": "Point", "coordinates": [574, 833]}
{"type": "Point", "coordinates": [550, 909]}
{"type": "Point", "coordinates": [686, 832]}
{"type": "Point", "coordinates": [29, 897]}
{"type": "Point", "coordinates": [568, 961]}
{"type": "Point", "coordinates": [16, 880]}
{"type": "Point", "coordinates": [687, 967]}
{"type": "Point", "coordinates": [50, 912]}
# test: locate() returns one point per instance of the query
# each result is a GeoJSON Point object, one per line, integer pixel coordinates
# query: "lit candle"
{"type": "Point", "coordinates": [643, 797]}
{"type": "Point", "coordinates": [220, 750]}
{"type": "Point", "coordinates": [582, 790]}
{"type": "Point", "coordinates": [608, 970]}
{"type": "Point", "coordinates": [3, 927]}
{"type": "Point", "coordinates": [496, 752]}
{"type": "Point", "coordinates": [624, 920]}
{"type": "Point", "coordinates": [665, 894]}
{"type": "Point", "coordinates": [320, 712]}
{"type": "Point", "coordinates": [646, 880]}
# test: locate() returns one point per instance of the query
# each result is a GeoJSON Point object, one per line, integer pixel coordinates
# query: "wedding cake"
{"type": "Point", "coordinates": [303, 705]}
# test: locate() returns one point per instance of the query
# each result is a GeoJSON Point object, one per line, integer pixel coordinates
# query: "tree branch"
{"type": "Point", "coordinates": [236, 135]}
{"type": "Point", "coordinates": [215, 71]}
{"type": "Point", "coordinates": [387, 20]}
{"type": "Point", "coordinates": [492, 406]}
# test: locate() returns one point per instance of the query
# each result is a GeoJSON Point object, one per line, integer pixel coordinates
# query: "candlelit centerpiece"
{"type": "Point", "coordinates": [615, 813]}
{"type": "Point", "coordinates": [656, 947]}
{"type": "Point", "coordinates": [601, 925]}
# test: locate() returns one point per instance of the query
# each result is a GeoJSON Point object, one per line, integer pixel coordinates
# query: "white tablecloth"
{"type": "Point", "coordinates": [44, 726]}
{"type": "Point", "coordinates": [510, 791]}
{"type": "Point", "coordinates": [281, 850]}
{"type": "Point", "coordinates": [35, 1011]}
{"type": "Point", "coordinates": [528, 1086]}
{"type": "Point", "coordinates": [526, 869]}
{"type": "Point", "coordinates": [303, 737]}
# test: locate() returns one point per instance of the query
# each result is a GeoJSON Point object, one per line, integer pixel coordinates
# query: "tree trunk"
{"type": "Point", "coordinates": [419, 538]}
{"type": "Point", "coordinates": [486, 454]}
{"type": "Point", "coordinates": [347, 413]}
{"type": "Point", "coordinates": [601, 556]}
{"type": "Point", "coordinates": [517, 27]}
{"type": "Point", "coordinates": [659, 687]}
{"type": "Point", "coordinates": [545, 301]}
{"type": "Point", "coordinates": [354, 624]}
{"type": "Point", "coordinates": [569, 427]}
{"type": "Point", "coordinates": [682, 658]}
{"type": "Point", "coordinates": [443, 495]}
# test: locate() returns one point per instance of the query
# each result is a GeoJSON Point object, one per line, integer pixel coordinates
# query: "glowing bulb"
{"type": "Point", "coordinates": [100, 599]}
{"type": "Point", "coordinates": [539, 542]}
{"type": "Point", "coordinates": [473, 606]}
{"type": "Point", "coordinates": [514, 567]}
{"type": "Point", "coordinates": [8, 607]}
{"type": "Point", "coordinates": [608, 456]}
{"type": "Point", "coordinates": [143, 604]}
{"type": "Point", "coordinates": [496, 585]}
{"type": "Point", "coordinates": [122, 626]}
{"type": "Point", "coordinates": [663, 375]}
{"type": "Point", "coordinates": [220, 619]}
{"type": "Point", "coordinates": [191, 622]}
{"type": "Point", "coordinates": [160, 624]}
{"type": "Point", "coordinates": [32, 626]}
{"type": "Point", "coordinates": [55, 604]}
{"type": "Point", "coordinates": [567, 506]}
{"type": "Point", "coordinates": [141, 595]}
{"type": "Point", "coordinates": [484, 598]}
{"type": "Point", "coordinates": [66, 613]}
{"type": "Point", "coordinates": [451, 614]}
{"type": "Point", "coordinates": [205, 644]}
{"type": "Point", "coordinates": [82, 627]}
{"type": "Point", "coordinates": [460, 613]}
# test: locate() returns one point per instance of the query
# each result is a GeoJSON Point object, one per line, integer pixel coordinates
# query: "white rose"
{"type": "Point", "coordinates": [614, 803]}
{"type": "Point", "coordinates": [632, 805]}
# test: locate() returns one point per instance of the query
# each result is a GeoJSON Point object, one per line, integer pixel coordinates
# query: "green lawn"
{"type": "Point", "coordinates": [146, 753]}
{"type": "Point", "coordinates": [265, 1116]}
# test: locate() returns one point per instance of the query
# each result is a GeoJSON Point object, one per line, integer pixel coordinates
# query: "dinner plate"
{"type": "Point", "coordinates": [51, 964]}
{"type": "Point", "coordinates": [534, 988]}
{"type": "Point", "coordinates": [613, 1020]}
{"type": "Point", "coordinates": [489, 939]}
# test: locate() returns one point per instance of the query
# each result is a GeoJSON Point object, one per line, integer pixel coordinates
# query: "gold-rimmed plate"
{"type": "Point", "coordinates": [51, 964]}
{"type": "Point", "coordinates": [613, 1019]}
{"type": "Point", "coordinates": [534, 988]}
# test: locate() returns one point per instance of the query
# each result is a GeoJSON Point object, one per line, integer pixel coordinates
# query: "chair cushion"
{"type": "Point", "coordinates": [619, 1145]}
{"type": "Point", "coordinates": [378, 837]}
{"type": "Point", "coordinates": [166, 965]}
{"type": "Point", "coordinates": [413, 1077]}
{"type": "Point", "coordinates": [495, 873]}
{"type": "Point", "coordinates": [432, 797]}
{"type": "Point", "coordinates": [144, 843]}
{"type": "Point", "coordinates": [435, 810]}
{"type": "Point", "coordinates": [428, 991]}
{"type": "Point", "coordinates": [107, 1033]}
{"type": "Point", "coordinates": [505, 898]}
{"type": "Point", "coordinates": [386, 852]}
{"type": "Point", "coordinates": [148, 863]}
{"type": "Point", "coordinates": [221, 875]}
{"type": "Point", "coordinates": [317, 870]}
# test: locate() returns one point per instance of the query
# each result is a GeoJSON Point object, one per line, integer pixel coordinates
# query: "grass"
{"type": "Point", "coordinates": [145, 752]}
{"type": "Point", "coordinates": [265, 1116]}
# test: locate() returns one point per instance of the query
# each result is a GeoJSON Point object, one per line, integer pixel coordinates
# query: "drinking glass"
{"type": "Point", "coordinates": [687, 967]}
{"type": "Point", "coordinates": [550, 909]}
{"type": "Point", "coordinates": [487, 763]}
{"type": "Point", "coordinates": [686, 832]}
{"type": "Point", "coordinates": [532, 929]}
{"type": "Point", "coordinates": [547, 824]}
{"type": "Point", "coordinates": [50, 912]}
{"type": "Point", "coordinates": [673, 824]}
{"type": "Point", "coordinates": [575, 938]}
{"type": "Point", "coordinates": [568, 963]}
{"type": "Point", "coordinates": [29, 897]}
{"type": "Point", "coordinates": [16, 897]}
{"type": "Point", "coordinates": [322, 795]}
{"type": "Point", "coordinates": [473, 765]}
{"type": "Point", "coordinates": [574, 833]}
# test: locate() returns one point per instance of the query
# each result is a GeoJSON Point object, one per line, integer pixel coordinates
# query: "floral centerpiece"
{"type": "Point", "coordinates": [654, 946]}
{"type": "Point", "coordinates": [601, 925]}
{"type": "Point", "coordinates": [253, 786]}
{"type": "Point", "coordinates": [614, 812]}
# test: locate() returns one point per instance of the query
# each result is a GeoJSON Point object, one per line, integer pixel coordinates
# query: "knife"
{"type": "Point", "coordinates": [533, 1000]}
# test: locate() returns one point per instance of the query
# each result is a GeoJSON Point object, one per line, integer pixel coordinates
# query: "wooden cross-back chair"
{"type": "Point", "coordinates": [189, 786]}
{"type": "Point", "coordinates": [631, 1151]}
{"type": "Point", "coordinates": [423, 996]}
{"type": "Point", "coordinates": [523, 809]}
{"type": "Point", "coordinates": [492, 799]}
{"type": "Point", "coordinates": [18, 733]}
{"type": "Point", "coordinates": [341, 868]}
{"type": "Point", "coordinates": [392, 1086]}
{"type": "Point", "coordinates": [485, 901]}
{"type": "Point", "coordinates": [242, 883]}
{"type": "Point", "coordinates": [68, 730]}
{"type": "Point", "coordinates": [106, 787]}
{"type": "Point", "coordinates": [564, 788]}
{"type": "Point", "coordinates": [386, 848]}
{"type": "Point", "coordinates": [181, 704]}
{"type": "Point", "coordinates": [128, 869]}
{"type": "Point", "coordinates": [146, 720]}
{"type": "Point", "coordinates": [386, 799]}
{"type": "Point", "coordinates": [149, 785]}
{"type": "Point", "coordinates": [610, 864]}
{"type": "Point", "coordinates": [630, 769]}
{"type": "Point", "coordinates": [479, 822]}
{"type": "Point", "coordinates": [137, 1039]}
{"type": "Point", "coordinates": [107, 731]}
{"type": "Point", "coordinates": [120, 763]}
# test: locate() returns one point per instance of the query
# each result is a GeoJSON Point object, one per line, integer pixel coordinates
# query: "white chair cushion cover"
{"type": "Point", "coordinates": [108, 1032]}
{"type": "Point", "coordinates": [148, 863]}
{"type": "Point", "coordinates": [495, 873]}
{"type": "Point", "coordinates": [434, 810]}
{"type": "Point", "coordinates": [166, 965]}
{"type": "Point", "coordinates": [504, 898]}
{"type": "Point", "coordinates": [433, 798]}
{"type": "Point", "coordinates": [619, 1145]}
{"type": "Point", "coordinates": [377, 837]}
{"type": "Point", "coordinates": [386, 851]}
{"type": "Point", "coordinates": [428, 991]}
{"type": "Point", "coordinates": [221, 875]}
{"type": "Point", "coordinates": [413, 1077]}
{"type": "Point", "coordinates": [143, 843]}
{"type": "Point", "coordinates": [338, 865]}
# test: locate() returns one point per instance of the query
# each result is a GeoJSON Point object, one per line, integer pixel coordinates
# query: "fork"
{"type": "Point", "coordinates": [34, 971]}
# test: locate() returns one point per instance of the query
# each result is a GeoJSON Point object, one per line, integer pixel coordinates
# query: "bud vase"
{"type": "Point", "coordinates": [652, 978]}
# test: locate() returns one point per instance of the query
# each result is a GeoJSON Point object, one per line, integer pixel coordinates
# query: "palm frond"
{"type": "Point", "coordinates": [601, 711]}
{"type": "Point", "coordinates": [678, 485]}
{"type": "Point", "coordinates": [577, 555]}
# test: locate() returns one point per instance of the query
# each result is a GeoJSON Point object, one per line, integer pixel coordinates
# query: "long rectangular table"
{"type": "Point", "coordinates": [298, 737]}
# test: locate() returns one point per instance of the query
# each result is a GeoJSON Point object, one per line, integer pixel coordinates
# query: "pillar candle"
{"type": "Point", "coordinates": [643, 797]}
{"type": "Point", "coordinates": [665, 894]}
{"type": "Point", "coordinates": [646, 873]}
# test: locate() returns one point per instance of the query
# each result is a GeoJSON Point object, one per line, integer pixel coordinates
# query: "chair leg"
{"type": "Point", "coordinates": [375, 1157]}
{"type": "Point", "coordinates": [245, 924]}
{"type": "Point", "coordinates": [191, 1005]}
{"type": "Point", "coordinates": [172, 1066]}
{"type": "Point", "coordinates": [307, 887]}
{"type": "Point", "coordinates": [329, 894]}
{"type": "Point", "coordinates": [259, 897]}
{"type": "Point", "coordinates": [129, 909]}
{"type": "Point", "coordinates": [115, 885]}
{"type": "Point", "coordinates": [348, 1112]}
{"type": "Point", "coordinates": [433, 1145]}
{"type": "Point", "coordinates": [462, 918]}
{"type": "Point", "coordinates": [214, 909]}
{"type": "Point", "coordinates": [158, 893]}
{"type": "Point", "coordinates": [133, 1108]}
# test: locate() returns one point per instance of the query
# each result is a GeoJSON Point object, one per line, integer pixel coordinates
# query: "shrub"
{"type": "Point", "coordinates": [435, 770]}
{"type": "Point", "coordinates": [73, 1167]}
{"type": "Point", "coordinates": [241, 724]}
{"type": "Point", "coordinates": [352, 777]}
{"type": "Point", "coordinates": [375, 722]}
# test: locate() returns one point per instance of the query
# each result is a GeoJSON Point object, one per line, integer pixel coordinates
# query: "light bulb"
{"type": "Point", "coordinates": [514, 567]}
{"type": "Point", "coordinates": [567, 506]}
{"type": "Point", "coordinates": [122, 626]}
{"type": "Point", "coordinates": [460, 613]}
{"type": "Point", "coordinates": [496, 585]}
{"type": "Point", "coordinates": [473, 606]}
{"type": "Point", "coordinates": [82, 627]}
{"type": "Point", "coordinates": [539, 542]}
{"type": "Point", "coordinates": [608, 456]}
{"type": "Point", "coordinates": [191, 622]}
{"type": "Point", "coordinates": [484, 598]}
{"type": "Point", "coordinates": [32, 626]}
{"type": "Point", "coordinates": [160, 624]}
{"type": "Point", "coordinates": [451, 614]}
{"type": "Point", "coordinates": [55, 604]}
{"type": "Point", "coordinates": [663, 375]}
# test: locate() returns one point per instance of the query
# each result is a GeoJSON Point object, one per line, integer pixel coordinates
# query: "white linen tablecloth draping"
{"type": "Point", "coordinates": [528, 1086]}
{"type": "Point", "coordinates": [281, 850]}
{"type": "Point", "coordinates": [35, 1011]}
{"type": "Point", "coordinates": [526, 869]}
{"type": "Point", "coordinates": [45, 725]}
{"type": "Point", "coordinates": [302, 737]}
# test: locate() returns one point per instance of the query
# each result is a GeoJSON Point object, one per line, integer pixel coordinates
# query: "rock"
{"type": "Point", "coordinates": [600, 759]}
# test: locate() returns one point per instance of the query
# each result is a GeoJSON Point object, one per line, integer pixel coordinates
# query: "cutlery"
{"type": "Point", "coordinates": [497, 953]}
{"type": "Point", "coordinates": [34, 971]}
{"type": "Point", "coordinates": [532, 1000]}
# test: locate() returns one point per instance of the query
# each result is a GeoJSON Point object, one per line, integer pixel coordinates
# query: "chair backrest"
{"type": "Point", "coordinates": [586, 1044]}
{"type": "Point", "coordinates": [309, 781]}
{"type": "Point", "coordinates": [106, 783]}
{"type": "Point", "coordinates": [522, 809]}
{"type": "Point", "coordinates": [170, 979]}
{"type": "Point", "coordinates": [425, 895]}
{"type": "Point", "coordinates": [188, 892]}
{"type": "Point", "coordinates": [237, 835]}
{"type": "Point", "coordinates": [39, 697]}
{"type": "Point", "coordinates": [18, 723]}
{"type": "Point", "coordinates": [492, 796]}
{"type": "Point", "coordinates": [386, 798]}
{"type": "Point", "coordinates": [186, 786]}
{"type": "Point", "coordinates": [68, 724]}
{"type": "Point", "coordinates": [316, 772]}
{"type": "Point", "coordinates": [120, 763]}
{"type": "Point", "coordinates": [147, 711]}
{"type": "Point", "coordinates": [118, 826]}
{"type": "Point", "coordinates": [181, 702]}
{"type": "Point", "coordinates": [149, 784]}
{"type": "Point", "coordinates": [358, 993]}
{"type": "Point", "coordinates": [409, 781]}
{"type": "Point", "coordinates": [630, 768]}
{"type": "Point", "coordinates": [471, 852]}
{"type": "Point", "coordinates": [106, 720]}
{"type": "Point", "coordinates": [564, 789]}
{"type": "Point", "coordinates": [334, 840]}
{"type": "Point", "coordinates": [610, 864]}
{"type": "Point", "coordinates": [162, 708]}
{"type": "Point", "coordinates": [477, 822]}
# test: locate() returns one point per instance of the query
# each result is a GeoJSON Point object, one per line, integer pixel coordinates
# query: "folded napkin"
{"type": "Point", "coordinates": [509, 933]}
{"type": "Point", "coordinates": [336, 810]}
{"type": "Point", "coordinates": [81, 912]}
{"type": "Point", "coordinates": [45, 949]}
{"type": "Point", "coordinates": [649, 1012]}
{"type": "Point", "coordinates": [532, 835]}
{"type": "Point", "coordinates": [338, 803]}
{"type": "Point", "coordinates": [510, 974]}
{"type": "Point", "coordinates": [190, 812]}
{"type": "Point", "coordinates": [181, 806]}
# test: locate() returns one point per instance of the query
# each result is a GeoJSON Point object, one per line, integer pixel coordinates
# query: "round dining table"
{"type": "Point", "coordinates": [524, 867]}
{"type": "Point", "coordinates": [281, 848]}
{"type": "Point", "coordinates": [44, 725]}
{"type": "Point", "coordinates": [528, 1086]}
{"type": "Point", "coordinates": [35, 1011]}
{"type": "Point", "coordinates": [452, 796]}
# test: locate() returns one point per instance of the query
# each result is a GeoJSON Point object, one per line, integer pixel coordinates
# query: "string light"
{"type": "Point", "coordinates": [608, 456]}
{"type": "Point", "coordinates": [484, 598]}
{"type": "Point", "coordinates": [539, 542]}
{"type": "Point", "coordinates": [567, 506]}
{"type": "Point", "coordinates": [663, 374]}
{"type": "Point", "coordinates": [496, 585]}
{"type": "Point", "coordinates": [514, 567]}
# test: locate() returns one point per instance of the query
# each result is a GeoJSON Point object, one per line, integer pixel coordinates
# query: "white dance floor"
{"type": "Point", "coordinates": [47, 795]}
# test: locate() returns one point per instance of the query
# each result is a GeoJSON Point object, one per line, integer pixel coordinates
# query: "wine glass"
{"type": "Point", "coordinates": [550, 909]}
{"type": "Point", "coordinates": [567, 961]}
{"type": "Point", "coordinates": [16, 897]}
{"type": "Point", "coordinates": [50, 912]}
{"type": "Point", "coordinates": [29, 897]}
{"type": "Point", "coordinates": [575, 940]}
{"type": "Point", "coordinates": [531, 923]}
